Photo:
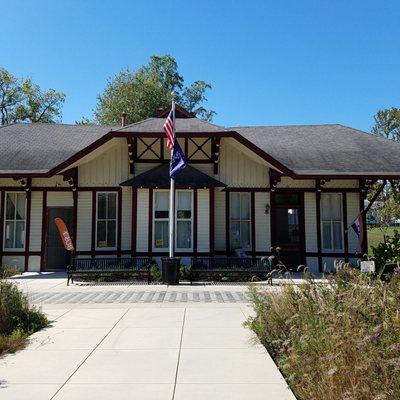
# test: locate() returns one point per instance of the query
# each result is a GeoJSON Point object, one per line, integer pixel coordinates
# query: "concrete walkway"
{"type": "Point", "coordinates": [151, 350]}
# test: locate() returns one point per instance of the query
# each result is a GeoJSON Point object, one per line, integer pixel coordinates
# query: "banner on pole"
{"type": "Point", "coordinates": [64, 234]}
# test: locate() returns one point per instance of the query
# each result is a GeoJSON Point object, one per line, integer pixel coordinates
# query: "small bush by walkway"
{"type": "Point", "coordinates": [18, 319]}
{"type": "Point", "coordinates": [334, 341]}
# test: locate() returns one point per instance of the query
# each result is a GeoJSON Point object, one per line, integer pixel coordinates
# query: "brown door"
{"type": "Point", "coordinates": [57, 258]}
{"type": "Point", "coordinates": [287, 218]}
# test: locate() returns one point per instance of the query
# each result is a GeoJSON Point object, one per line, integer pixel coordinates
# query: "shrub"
{"type": "Point", "coordinates": [155, 273]}
{"type": "Point", "coordinates": [6, 271]}
{"type": "Point", "coordinates": [387, 251]}
{"type": "Point", "coordinates": [334, 341]}
{"type": "Point", "coordinates": [184, 272]}
{"type": "Point", "coordinates": [18, 319]}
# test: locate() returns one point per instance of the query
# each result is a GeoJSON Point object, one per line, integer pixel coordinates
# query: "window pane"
{"type": "Point", "coordinates": [161, 234]}
{"type": "Point", "coordinates": [326, 235]}
{"type": "Point", "coordinates": [9, 235]}
{"type": "Point", "coordinates": [184, 201]}
{"type": "Point", "coordinates": [101, 234]}
{"type": "Point", "coordinates": [287, 199]}
{"type": "Point", "coordinates": [20, 235]}
{"type": "Point", "coordinates": [181, 214]}
{"type": "Point", "coordinates": [161, 214]}
{"type": "Point", "coordinates": [111, 233]}
{"type": "Point", "coordinates": [112, 206]}
{"type": "Point", "coordinates": [325, 207]}
{"type": "Point", "coordinates": [161, 201]}
{"type": "Point", "coordinates": [10, 206]}
{"type": "Point", "coordinates": [102, 206]}
{"type": "Point", "coordinates": [235, 235]}
{"type": "Point", "coordinates": [235, 206]}
{"type": "Point", "coordinates": [245, 205]}
{"type": "Point", "coordinates": [337, 236]}
{"type": "Point", "coordinates": [336, 206]}
{"type": "Point", "coordinates": [245, 233]}
{"type": "Point", "coordinates": [184, 235]}
{"type": "Point", "coordinates": [20, 206]}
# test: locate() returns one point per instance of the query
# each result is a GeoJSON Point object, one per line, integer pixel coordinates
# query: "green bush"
{"type": "Point", "coordinates": [387, 251]}
{"type": "Point", "coordinates": [155, 273]}
{"type": "Point", "coordinates": [184, 273]}
{"type": "Point", "coordinates": [332, 341]}
{"type": "Point", "coordinates": [18, 318]}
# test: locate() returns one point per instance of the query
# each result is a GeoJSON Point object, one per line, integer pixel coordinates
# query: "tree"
{"type": "Point", "coordinates": [141, 93]}
{"type": "Point", "coordinates": [23, 101]}
{"type": "Point", "coordinates": [387, 123]}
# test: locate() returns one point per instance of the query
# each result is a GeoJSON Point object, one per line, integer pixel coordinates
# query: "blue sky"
{"type": "Point", "coordinates": [270, 62]}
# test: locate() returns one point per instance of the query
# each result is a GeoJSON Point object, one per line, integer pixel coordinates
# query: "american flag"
{"type": "Point", "coordinates": [169, 129]}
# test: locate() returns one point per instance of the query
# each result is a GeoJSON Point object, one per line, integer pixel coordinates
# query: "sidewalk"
{"type": "Point", "coordinates": [166, 350]}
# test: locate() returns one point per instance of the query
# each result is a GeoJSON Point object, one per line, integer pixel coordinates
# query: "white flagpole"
{"type": "Point", "coordinates": [172, 200]}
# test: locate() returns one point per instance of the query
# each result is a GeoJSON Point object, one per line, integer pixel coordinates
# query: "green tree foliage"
{"type": "Point", "coordinates": [23, 101]}
{"type": "Point", "coordinates": [387, 123]}
{"type": "Point", "coordinates": [142, 92]}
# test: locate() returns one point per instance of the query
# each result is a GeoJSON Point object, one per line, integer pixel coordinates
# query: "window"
{"type": "Point", "coordinates": [161, 215]}
{"type": "Point", "coordinates": [331, 221]}
{"type": "Point", "coordinates": [183, 219]}
{"type": "Point", "coordinates": [240, 220]}
{"type": "Point", "coordinates": [106, 220]}
{"type": "Point", "coordinates": [14, 229]}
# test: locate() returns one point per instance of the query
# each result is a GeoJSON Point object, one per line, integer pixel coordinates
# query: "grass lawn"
{"type": "Point", "coordinates": [375, 236]}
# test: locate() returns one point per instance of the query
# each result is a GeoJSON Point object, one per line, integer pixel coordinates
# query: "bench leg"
{"type": "Point", "coordinates": [68, 278]}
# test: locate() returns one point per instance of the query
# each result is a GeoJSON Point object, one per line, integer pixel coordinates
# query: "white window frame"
{"type": "Point", "coordinates": [180, 249]}
{"type": "Point", "coordinates": [21, 249]}
{"type": "Point", "coordinates": [332, 221]}
{"type": "Point", "coordinates": [240, 220]}
{"type": "Point", "coordinates": [107, 219]}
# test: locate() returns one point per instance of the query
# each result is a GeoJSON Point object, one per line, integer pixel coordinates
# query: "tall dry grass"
{"type": "Point", "coordinates": [334, 341]}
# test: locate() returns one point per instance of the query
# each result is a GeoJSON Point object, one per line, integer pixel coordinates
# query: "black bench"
{"type": "Point", "coordinates": [232, 266]}
{"type": "Point", "coordinates": [99, 266]}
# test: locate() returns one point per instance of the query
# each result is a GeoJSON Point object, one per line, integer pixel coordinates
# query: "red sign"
{"type": "Point", "coordinates": [64, 234]}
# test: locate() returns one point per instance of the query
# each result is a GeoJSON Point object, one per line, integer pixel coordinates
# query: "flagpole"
{"type": "Point", "coordinates": [172, 198]}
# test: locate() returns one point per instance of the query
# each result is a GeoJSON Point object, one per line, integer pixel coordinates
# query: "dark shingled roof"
{"type": "Point", "coordinates": [302, 149]}
{"type": "Point", "coordinates": [158, 177]}
{"type": "Point", "coordinates": [183, 125]}
{"type": "Point", "coordinates": [326, 149]}
{"type": "Point", "coordinates": [39, 147]}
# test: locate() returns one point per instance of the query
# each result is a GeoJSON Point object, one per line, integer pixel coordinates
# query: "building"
{"type": "Point", "coordinates": [298, 187]}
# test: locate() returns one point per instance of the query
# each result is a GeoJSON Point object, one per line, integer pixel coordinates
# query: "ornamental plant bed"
{"type": "Point", "coordinates": [18, 319]}
{"type": "Point", "coordinates": [332, 341]}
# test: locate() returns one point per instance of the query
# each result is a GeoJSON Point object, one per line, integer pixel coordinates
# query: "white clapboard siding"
{"type": "Point", "coordinates": [109, 168]}
{"type": "Point", "coordinates": [84, 228]}
{"type": "Point", "coordinates": [310, 218]}
{"type": "Point", "coordinates": [220, 239]}
{"type": "Point", "coordinates": [203, 220]}
{"type": "Point", "coordinates": [14, 261]}
{"type": "Point", "coordinates": [142, 220]}
{"type": "Point", "coordinates": [36, 222]}
{"type": "Point", "coordinates": [237, 169]}
{"type": "Point", "coordinates": [262, 222]}
{"type": "Point", "coordinates": [34, 263]}
{"type": "Point", "coordinates": [60, 199]}
{"type": "Point", "coordinates": [126, 218]}
{"type": "Point", "coordinates": [353, 209]}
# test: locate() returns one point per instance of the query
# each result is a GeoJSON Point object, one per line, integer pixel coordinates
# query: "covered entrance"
{"type": "Point", "coordinates": [57, 258]}
{"type": "Point", "coordinates": [287, 226]}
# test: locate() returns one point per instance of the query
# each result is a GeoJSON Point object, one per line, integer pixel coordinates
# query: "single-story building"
{"type": "Point", "coordinates": [249, 187]}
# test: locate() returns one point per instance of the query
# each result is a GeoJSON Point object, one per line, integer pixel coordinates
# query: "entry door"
{"type": "Point", "coordinates": [287, 212]}
{"type": "Point", "coordinates": [57, 258]}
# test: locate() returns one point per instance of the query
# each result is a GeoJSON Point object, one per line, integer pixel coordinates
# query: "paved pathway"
{"type": "Point", "coordinates": [172, 343]}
